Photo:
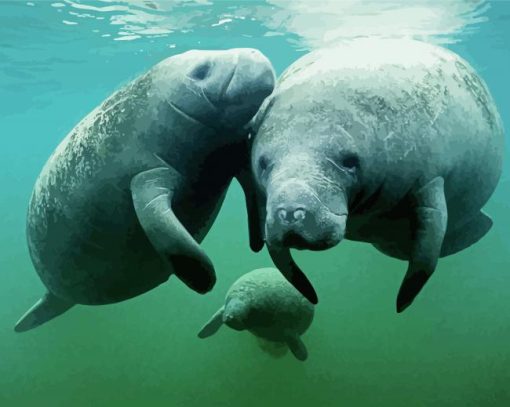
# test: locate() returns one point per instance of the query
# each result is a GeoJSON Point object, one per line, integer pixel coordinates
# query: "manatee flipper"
{"type": "Point", "coordinates": [212, 326]}
{"type": "Point", "coordinates": [282, 259]}
{"type": "Point", "coordinates": [253, 206]}
{"type": "Point", "coordinates": [297, 347]}
{"type": "Point", "coordinates": [152, 193]}
{"type": "Point", "coordinates": [429, 227]}
{"type": "Point", "coordinates": [466, 235]}
{"type": "Point", "coordinates": [47, 308]}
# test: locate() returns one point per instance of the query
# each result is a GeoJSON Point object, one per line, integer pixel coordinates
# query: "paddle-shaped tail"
{"type": "Point", "coordinates": [47, 308]}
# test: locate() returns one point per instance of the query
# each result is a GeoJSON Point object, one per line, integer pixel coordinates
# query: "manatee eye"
{"type": "Point", "coordinates": [263, 162]}
{"type": "Point", "coordinates": [201, 71]}
{"type": "Point", "coordinates": [350, 162]}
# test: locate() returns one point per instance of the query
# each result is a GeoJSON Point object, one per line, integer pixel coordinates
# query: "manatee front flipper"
{"type": "Point", "coordinates": [297, 347]}
{"type": "Point", "coordinates": [152, 193]}
{"type": "Point", "coordinates": [466, 235]}
{"type": "Point", "coordinates": [212, 326]}
{"type": "Point", "coordinates": [283, 261]}
{"type": "Point", "coordinates": [47, 308]}
{"type": "Point", "coordinates": [429, 227]}
{"type": "Point", "coordinates": [253, 205]}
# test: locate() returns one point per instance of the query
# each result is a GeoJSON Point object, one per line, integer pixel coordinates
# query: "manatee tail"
{"type": "Point", "coordinates": [47, 308]}
{"type": "Point", "coordinates": [274, 349]}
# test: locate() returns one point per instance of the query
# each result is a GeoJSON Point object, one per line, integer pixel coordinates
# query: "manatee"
{"type": "Point", "coordinates": [267, 305]}
{"type": "Point", "coordinates": [128, 195]}
{"type": "Point", "coordinates": [397, 143]}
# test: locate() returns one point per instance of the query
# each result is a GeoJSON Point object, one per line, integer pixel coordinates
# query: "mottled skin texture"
{"type": "Point", "coordinates": [183, 116]}
{"type": "Point", "coordinates": [363, 136]}
{"type": "Point", "coordinates": [274, 306]}
{"type": "Point", "coordinates": [264, 303]}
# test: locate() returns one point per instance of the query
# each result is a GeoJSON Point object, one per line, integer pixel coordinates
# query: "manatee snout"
{"type": "Point", "coordinates": [298, 218]}
{"type": "Point", "coordinates": [235, 314]}
{"type": "Point", "coordinates": [253, 76]}
{"type": "Point", "coordinates": [232, 322]}
{"type": "Point", "coordinates": [235, 81]}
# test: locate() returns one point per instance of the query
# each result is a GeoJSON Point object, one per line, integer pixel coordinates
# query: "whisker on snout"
{"type": "Point", "coordinates": [280, 173]}
{"type": "Point", "coordinates": [332, 162]}
{"type": "Point", "coordinates": [206, 98]}
{"type": "Point", "coordinates": [323, 180]}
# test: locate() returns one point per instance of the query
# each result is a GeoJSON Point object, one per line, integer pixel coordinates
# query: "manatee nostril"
{"type": "Point", "coordinates": [291, 215]}
{"type": "Point", "coordinates": [201, 71]}
{"type": "Point", "coordinates": [299, 214]}
{"type": "Point", "coordinates": [282, 215]}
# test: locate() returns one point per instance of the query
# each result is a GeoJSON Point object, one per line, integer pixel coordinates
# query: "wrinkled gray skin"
{"type": "Point", "coordinates": [129, 194]}
{"type": "Point", "coordinates": [264, 303]}
{"type": "Point", "coordinates": [397, 143]}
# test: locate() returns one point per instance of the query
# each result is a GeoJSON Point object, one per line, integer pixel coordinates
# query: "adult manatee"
{"type": "Point", "coordinates": [129, 194]}
{"type": "Point", "coordinates": [397, 143]}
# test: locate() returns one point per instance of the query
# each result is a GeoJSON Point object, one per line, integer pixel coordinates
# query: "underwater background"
{"type": "Point", "coordinates": [59, 60]}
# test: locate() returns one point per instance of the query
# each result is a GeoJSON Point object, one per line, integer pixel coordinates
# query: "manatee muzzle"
{"type": "Point", "coordinates": [234, 314]}
{"type": "Point", "coordinates": [297, 217]}
{"type": "Point", "coordinates": [235, 82]}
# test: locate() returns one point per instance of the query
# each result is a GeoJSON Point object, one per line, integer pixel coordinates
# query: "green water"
{"type": "Point", "coordinates": [451, 348]}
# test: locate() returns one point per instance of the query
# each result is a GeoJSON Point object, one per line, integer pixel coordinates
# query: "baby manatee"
{"type": "Point", "coordinates": [267, 305]}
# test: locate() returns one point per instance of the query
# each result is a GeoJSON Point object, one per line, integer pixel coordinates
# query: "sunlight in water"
{"type": "Point", "coordinates": [315, 23]}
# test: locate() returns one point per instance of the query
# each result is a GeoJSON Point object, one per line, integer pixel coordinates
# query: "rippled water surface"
{"type": "Point", "coordinates": [58, 60]}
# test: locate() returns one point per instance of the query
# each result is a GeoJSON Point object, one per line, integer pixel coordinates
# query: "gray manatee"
{"type": "Point", "coordinates": [397, 143]}
{"type": "Point", "coordinates": [126, 198]}
{"type": "Point", "coordinates": [267, 305]}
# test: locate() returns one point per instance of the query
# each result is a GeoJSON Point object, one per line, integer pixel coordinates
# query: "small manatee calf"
{"type": "Point", "coordinates": [126, 198]}
{"type": "Point", "coordinates": [267, 305]}
{"type": "Point", "coordinates": [393, 142]}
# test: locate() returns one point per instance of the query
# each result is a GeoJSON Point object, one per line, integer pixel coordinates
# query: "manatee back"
{"type": "Point", "coordinates": [275, 305]}
{"type": "Point", "coordinates": [395, 102]}
{"type": "Point", "coordinates": [418, 94]}
{"type": "Point", "coordinates": [81, 206]}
